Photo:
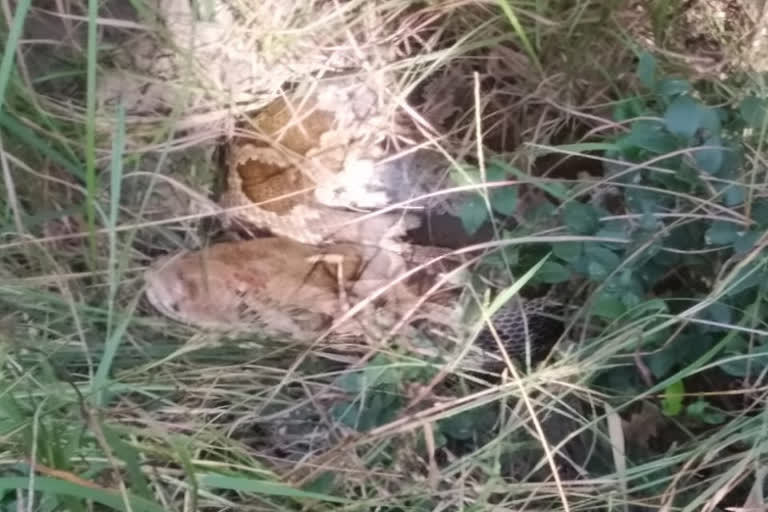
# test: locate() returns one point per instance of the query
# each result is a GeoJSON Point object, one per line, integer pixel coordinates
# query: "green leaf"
{"type": "Point", "coordinates": [650, 136]}
{"type": "Point", "coordinates": [644, 201]}
{"type": "Point", "coordinates": [741, 363]}
{"type": "Point", "coordinates": [734, 195]}
{"type": "Point", "coordinates": [662, 361]}
{"type": "Point", "coordinates": [703, 411]}
{"type": "Point", "coordinates": [470, 175]}
{"type": "Point", "coordinates": [371, 410]}
{"type": "Point", "coordinates": [749, 276]}
{"type": "Point", "coordinates": [580, 218]}
{"type": "Point", "coordinates": [466, 424]}
{"type": "Point", "coordinates": [350, 382]}
{"type": "Point", "coordinates": [683, 117]}
{"type": "Point", "coordinates": [646, 70]}
{"type": "Point", "coordinates": [650, 307]}
{"type": "Point", "coordinates": [687, 236]}
{"type": "Point", "coordinates": [539, 213]}
{"type": "Point", "coordinates": [670, 88]}
{"type": "Point", "coordinates": [496, 171]}
{"type": "Point", "coordinates": [321, 484]}
{"type": "Point", "coordinates": [722, 233]}
{"type": "Point", "coordinates": [630, 299]}
{"type": "Point", "coordinates": [613, 229]}
{"type": "Point", "coordinates": [672, 403]}
{"type": "Point", "coordinates": [709, 120]}
{"type": "Point", "coordinates": [552, 273]}
{"type": "Point", "coordinates": [602, 261]}
{"type": "Point", "coordinates": [760, 212]}
{"type": "Point", "coordinates": [506, 256]}
{"type": "Point", "coordinates": [567, 251]}
{"type": "Point", "coordinates": [597, 271]}
{"type": "Point", "coordinates": [686, 174]}
{"type": "Point", "coordinates": [473, 214]}
{"type": "Point", "coordinates": [746, 242]}
{"type": "Point", "coordinates": [380, 371]}
{"type": "Point", "coordinates": [710, 160]}
{"type": "Point", "coordinates": [628, 108]}
{"type": "Point", "coordinates": [733, 162]}
{"type": "Point", "coordinates": [608, 306]}
{"type": "Point", "coordinates": [557, 190]}
{"type": "Point", "coordinates": [753, 110]}
{"type": "Point", "coordinates": [716, 312]}
{"type": "Point", "coordinates": [504, 200]}
{"type": "Point", "coordinates": [464, 175]}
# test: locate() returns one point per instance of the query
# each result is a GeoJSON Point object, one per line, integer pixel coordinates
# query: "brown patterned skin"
{"type": "Point", "coordinates": [282, 287]}
{"type": "Point", "coordinates": [262, 181]}
{"type": "Point", "coordinates": [266, 164]}
{"type": "Point", "coordinates": [303, 168]}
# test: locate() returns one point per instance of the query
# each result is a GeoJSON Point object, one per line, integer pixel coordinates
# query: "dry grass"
{"type": "Point", "coordinates": [103, 400]}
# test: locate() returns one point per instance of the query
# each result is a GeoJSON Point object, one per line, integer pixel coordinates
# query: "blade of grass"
{"type": "Point", "coordinates": [263, 487]}
{"type": "Point", "coordinates": [90, 131]}
{"type": "Point", "coordinates": [95, 494]}
{"type": "Point", "coordinates": [509, 12]}
{"type": "Point", "coordinates": [130, 457]}
{"type": "Point", "coordinates": [502, 298]}
{"type": "Point", "coordinates": [101, 377]}
{"type": "Point", "coordinates": [11, 44]}
{"type": "Point", "coordinates": [116, 180]}
{"type": "Point", "coordinates": [44, 148]}
{"type": "Point", "coordinates": [181, 448]}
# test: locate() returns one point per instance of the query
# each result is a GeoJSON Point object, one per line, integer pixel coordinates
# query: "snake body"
{"type": "Point", "coordinates": [302, 169]}
{"type": "Point", "coordinates": [534, 325]}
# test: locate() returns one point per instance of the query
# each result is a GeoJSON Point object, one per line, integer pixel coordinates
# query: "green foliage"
{"type": "Point", "coordinates": [473, 214]}
{"type": "Point", "coordinates": [679, 155]}
{"type": "Point", "coordinates": [752, 111]}
{"type": "Point", "coordinates": [374, 393]}
{"type": "Point", "coordinates": [737, 364]}
{"type": "Point", "coordinates": [471, 424]}
{"type": "Point", "coordinates": [502, 199]}
{"type": "Point", "coordinates": [672, 403]}
{"type": "Point", "coordinates": [55, 430]}
{"type": "Point", "coordinates": [704, 412]}
{"type": "Point", "coordinates": [580, 219]}
{"type": "Point", "coordinates": [680, 166]}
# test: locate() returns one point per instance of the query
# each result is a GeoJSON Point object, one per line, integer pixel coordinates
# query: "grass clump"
{"type": "Point", "coordinates": [625, 179]}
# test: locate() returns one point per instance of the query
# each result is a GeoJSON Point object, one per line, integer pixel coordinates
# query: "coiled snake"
{"type": "Point", "coordinates": [329, 267]}
{"type": "Point", "coordinates": [302, 169]}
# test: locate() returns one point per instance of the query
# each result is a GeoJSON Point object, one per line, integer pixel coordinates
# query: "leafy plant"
{"type": "Point", "coordinates": [374, 393]}
{"type": "Point", "coordinates": [688, 216]}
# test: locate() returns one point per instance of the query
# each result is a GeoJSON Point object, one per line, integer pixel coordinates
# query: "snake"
{"type": "Point", "coordinates": [306, 169]}
{"type": "Point", "coordinates": [281, 287]}
{"type": "Point", "coordinates": [325, 253]}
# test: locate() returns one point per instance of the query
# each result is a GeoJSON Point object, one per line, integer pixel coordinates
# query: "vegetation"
{"type": "Point", "coordinates": [625, 169]}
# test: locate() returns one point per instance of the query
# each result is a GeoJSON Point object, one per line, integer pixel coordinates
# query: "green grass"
{"type": "Point", "coordinates": [659, 385]}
